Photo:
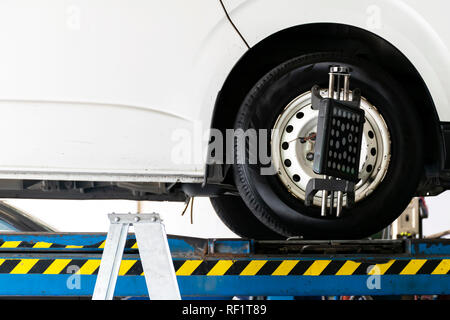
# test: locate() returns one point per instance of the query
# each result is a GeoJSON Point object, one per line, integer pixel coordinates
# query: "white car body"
{"type": "Point", "coordinates": [98, 90]}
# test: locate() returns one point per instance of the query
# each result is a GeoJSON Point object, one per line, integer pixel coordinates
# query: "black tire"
{"type": "Point", "coordinates": [238, 218]}
{"type": "Point", "coordinates": [269, 200]}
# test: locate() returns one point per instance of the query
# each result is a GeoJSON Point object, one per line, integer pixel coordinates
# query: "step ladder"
{"type": "Point", "coordinates": [154, 252]}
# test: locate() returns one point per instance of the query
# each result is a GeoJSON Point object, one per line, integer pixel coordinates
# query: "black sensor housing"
{"type": "Point", "coordinates": [339, 136]}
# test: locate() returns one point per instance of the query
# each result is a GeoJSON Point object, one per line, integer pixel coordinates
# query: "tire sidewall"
{"type": "Point", "coordinates": [267, 196]}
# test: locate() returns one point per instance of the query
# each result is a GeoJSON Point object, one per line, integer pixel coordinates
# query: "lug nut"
{"type": "Point", "coordinates": [310, 156]}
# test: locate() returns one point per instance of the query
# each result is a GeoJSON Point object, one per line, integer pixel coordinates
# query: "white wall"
{"type": "Point", "coordinates": [91, 215]}
{"type": "Point", "coordinates": [439, 214]}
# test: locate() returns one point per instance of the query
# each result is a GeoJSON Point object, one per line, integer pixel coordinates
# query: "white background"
{"type": "Point", "coordinates": [91, 215]}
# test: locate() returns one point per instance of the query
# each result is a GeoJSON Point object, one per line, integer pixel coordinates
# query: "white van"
{"type": "Point", "coordinates": [115, 99]}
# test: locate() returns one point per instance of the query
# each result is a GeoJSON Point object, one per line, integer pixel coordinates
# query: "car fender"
{"type": "Point", "coordinates": [416, 28]}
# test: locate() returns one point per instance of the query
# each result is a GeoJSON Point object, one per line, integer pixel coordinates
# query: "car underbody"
{"type": "Point", "coordinates": [86, 190]}
{"type": "Point", "coordinates": [432, 184]}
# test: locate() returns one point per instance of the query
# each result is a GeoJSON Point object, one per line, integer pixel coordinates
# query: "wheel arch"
{"type": "Point", "coordinates": [281, 46]}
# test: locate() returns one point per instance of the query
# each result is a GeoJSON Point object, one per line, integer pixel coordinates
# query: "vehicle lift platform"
{"type": "Point", "coordinates": [67, 264]}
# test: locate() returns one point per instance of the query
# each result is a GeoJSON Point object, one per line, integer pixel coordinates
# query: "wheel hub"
{"type": "Point", "coordinates": [293, 142]}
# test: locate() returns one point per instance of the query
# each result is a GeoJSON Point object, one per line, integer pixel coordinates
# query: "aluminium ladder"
{"type": "Point", "coordinates": [154, 252]}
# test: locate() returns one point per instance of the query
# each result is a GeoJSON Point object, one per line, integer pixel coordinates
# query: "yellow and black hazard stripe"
{"type": "Point", "coordinates": [130, 244]}
{"type": "Point", "coordinates": [311, 267]}
{"type": "Point", "coordinates": [242, 267]}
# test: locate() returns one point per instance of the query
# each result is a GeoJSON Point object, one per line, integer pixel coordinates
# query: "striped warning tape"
{"type": "Point", "coordinates": [235, 267]}
{"type": "Point", "coordinates": [130, 244]}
